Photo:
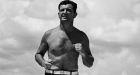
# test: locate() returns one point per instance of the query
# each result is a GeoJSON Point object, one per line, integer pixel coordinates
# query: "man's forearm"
{"type": "Point", "coordinates": [87, 59]}
{"type": "Point", "coordinates": [40, 60]}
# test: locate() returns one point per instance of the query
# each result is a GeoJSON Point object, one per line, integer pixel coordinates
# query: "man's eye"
{"type": "Point", "coordinates": [69, 10]}
{"type": "Point", "coordinates": [61, 9]}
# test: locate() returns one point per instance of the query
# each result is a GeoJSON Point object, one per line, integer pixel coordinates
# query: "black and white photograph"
{"type": "Point", "coordinates": [69, 37]}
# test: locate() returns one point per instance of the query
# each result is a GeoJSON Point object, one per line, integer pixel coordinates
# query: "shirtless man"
{"type": "Point", "coordinates": [64, 44]}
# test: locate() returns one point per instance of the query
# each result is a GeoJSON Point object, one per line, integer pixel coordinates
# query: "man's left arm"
{"type": "Point", "coordinates": [85, 52]}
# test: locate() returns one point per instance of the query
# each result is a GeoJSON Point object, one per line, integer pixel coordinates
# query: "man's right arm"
{"type": "Point", "coordinates": [41, 52]}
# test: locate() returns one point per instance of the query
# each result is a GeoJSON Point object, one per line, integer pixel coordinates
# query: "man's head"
{"type": "Point", "coordinates": [68, 2]}
{"type": "Point", "coordinates": [67, 10]}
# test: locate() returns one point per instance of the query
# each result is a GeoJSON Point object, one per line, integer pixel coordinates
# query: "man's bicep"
{"type": "Point", "coordinates": [43, 46]}
{"type": "Point", "coordinates": [86, 45]}
{"type": "Point", "coordinates": [42, 49]}
{"type": "Point", "coordinates": [87, 49]}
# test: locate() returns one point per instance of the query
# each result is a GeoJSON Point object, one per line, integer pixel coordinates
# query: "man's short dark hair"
{"type": "Point", "coordinates": [68, 2]}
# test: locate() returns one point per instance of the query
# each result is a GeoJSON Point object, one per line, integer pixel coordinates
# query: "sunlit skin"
{"type": "Point", "coordinates": [64, 44]}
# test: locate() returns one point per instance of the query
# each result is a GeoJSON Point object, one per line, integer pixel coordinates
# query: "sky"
{"type": "Point", "coordinates": [113, 28]}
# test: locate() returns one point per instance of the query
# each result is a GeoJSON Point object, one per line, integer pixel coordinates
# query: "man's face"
{"type": "Point", "coordinates": [66, 13]}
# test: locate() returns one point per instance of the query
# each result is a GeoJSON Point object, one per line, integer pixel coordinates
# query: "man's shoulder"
{"type": "Point", "coordinates": [80, 31]}
{"type": "Point", "coordinates": [48, 32]}
{"type": "Point", "coordinates": [51, 30]}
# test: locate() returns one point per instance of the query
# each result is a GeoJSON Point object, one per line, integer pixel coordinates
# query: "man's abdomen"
{"type": "Point", "coordinates": [66, 61]}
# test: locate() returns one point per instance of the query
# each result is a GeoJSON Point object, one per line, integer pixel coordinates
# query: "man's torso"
{"type": "Point", "coordinates": [61, 50]}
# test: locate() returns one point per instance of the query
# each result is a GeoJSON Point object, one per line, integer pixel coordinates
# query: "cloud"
{"type": "Point", "coordinates": [124, 73]}
{"type": "Point", "coordinates": [119, 32]}
{"type": "Point", "coordinates": [113, 8]}
{"type": "Point", "coordinates": [35, 25]}
{"type": "Point", "coordinates": [20, 65]}
{"type": "Point", "coordinates": [43, 9]}
{"type": "Point", "coordinates": [11, 42]}
{"type": "Point", "coordinates": [12, 8]}
{"type": "Point", "coordinates": [115, 63]}
{"type": "Point", "coordinates": [138, 66]}
{"type": "Point", "coordinates": [136, 8]}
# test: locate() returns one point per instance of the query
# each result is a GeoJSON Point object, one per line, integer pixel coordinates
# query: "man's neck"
{"type": "Point", "coordinates": [67, 26]}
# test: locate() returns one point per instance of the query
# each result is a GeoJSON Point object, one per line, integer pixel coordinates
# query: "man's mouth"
{"type": "Point", "coordinates": [64, 16]}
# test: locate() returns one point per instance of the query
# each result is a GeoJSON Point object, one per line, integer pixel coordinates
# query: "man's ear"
{"type": "Point", "coordinates": [58, 14]}
{"type": "Point", "coordinates": [75, 15]}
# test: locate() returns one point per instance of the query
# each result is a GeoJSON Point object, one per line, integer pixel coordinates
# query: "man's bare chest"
{"type": "Point", "coordinates": [59, 41]}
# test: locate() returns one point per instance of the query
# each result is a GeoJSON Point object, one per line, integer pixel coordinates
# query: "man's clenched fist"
{"type": "Point", "coordinates": [78, 47]}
